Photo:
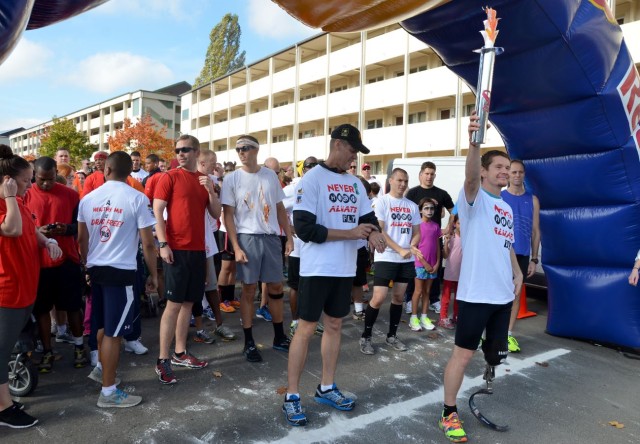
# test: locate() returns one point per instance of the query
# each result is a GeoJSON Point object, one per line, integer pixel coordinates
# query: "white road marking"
{"type": "Point", "coordinates": [340, 426]}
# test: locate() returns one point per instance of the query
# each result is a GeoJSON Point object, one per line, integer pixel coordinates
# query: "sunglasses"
{"type": "Point", "coordinates": [429, 208]}
{"type": "Point", "coordinates": [244, 149]}
{"type": "Point", "coordinates": [229, 171]}
{"type": "Point", "coordinates": [310, 165]}
{"type": "Point", "coordinates": [366, 169]}
{"type": "Point", "coordinates": [184, 150]}
{"type": "Point", "coordinates": [352, 167]}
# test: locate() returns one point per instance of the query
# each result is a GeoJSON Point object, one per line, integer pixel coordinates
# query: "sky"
{"type": "Point", "coordinates": [127, 45]}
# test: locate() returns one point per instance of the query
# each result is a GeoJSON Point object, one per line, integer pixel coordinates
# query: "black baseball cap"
{"type": "Point", "coordinates": [351, 134]}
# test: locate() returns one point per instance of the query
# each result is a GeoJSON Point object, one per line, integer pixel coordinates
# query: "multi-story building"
{"type": "Point", "coordinates": [103, 119]}
{"type": "Point", "coordinates": [387, 83]}
{"type": "Point", "coordinates": [4, 135]}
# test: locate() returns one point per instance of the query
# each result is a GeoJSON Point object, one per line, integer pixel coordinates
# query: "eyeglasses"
{"type": "Point", "coordinates": [366, 169]}
{"type": "Point", "coordinates": [244, 149]}
{"type": "Point", "coordinates": [228, 170]}
{"type": "Point", "coordinates": [352, 167]}
{"type": "Point", "coordinates": [310, 165]}
{"type": "Point", "coordinates": [184, 150]}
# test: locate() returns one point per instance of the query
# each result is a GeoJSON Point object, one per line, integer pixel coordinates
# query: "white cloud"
{"type": "Point", "coordinates": [28, 60]}
{"type": "Point", "coordinates": [178, 9]}
{"type": "Point", "coordinates": [270, 20]}
{"type": "Point", "coordinates": [9, 123]}
{"type": "Point", "coordinates": [118, 72]}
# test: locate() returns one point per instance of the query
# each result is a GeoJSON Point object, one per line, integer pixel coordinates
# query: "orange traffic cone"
{"type": "Point", "coordinates": [523, 312]}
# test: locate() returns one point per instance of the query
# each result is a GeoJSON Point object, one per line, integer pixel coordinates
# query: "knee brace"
{"type": "Point", "coordinates": [276, 296]}
{"type": "Point", "coordinates": [494, 351]}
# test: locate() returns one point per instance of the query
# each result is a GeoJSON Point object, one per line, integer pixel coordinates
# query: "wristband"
{"type": "Point", "coordinates": [52, 241]}
{"type": "Point", "coordinates": [635, 268]}
{"type": "Point", "coordinates": [6, 197]}
{"type": "Point", "coordinates": [535, 261]}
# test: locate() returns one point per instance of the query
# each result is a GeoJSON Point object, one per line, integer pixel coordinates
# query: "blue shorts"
{"type": "Point", "coordinates": [112, 307]}
{"type": "Point", "coordinates": [421, 273]}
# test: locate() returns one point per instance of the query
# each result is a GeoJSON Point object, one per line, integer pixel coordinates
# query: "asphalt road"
{"type": "Point", "coordinates": [556, 391]}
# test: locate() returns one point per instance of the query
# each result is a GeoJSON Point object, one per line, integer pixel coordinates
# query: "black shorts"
{"type": "Point", "coordinates": [225, 246]}
{"type": "Point", "coordinates": [60, 286]}
{"type": "Point", "coordinates": [184, 279]}
{"type": "Point", "coordinates": [474, 318]}
{"type": "Point", "coordinates": [293, 272]}
{"type": "Point", "coordinates": [362, 263]}
{"type": "Point", "coordinates": [398, 272]}
{"type": "Point", "coordinates": [324, 293]}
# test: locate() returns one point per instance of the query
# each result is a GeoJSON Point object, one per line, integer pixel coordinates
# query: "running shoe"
{"type": "Point", "coordinates": [96, 375]}
{"type": "Point", "coordinates": [46, 363]}
{"type": "Point", "coordinates": [203, 337]}
{"type": "Point", "coordinates": [15, 418]}
{"type": "Point", "coordinates": [396, 343]}
{"type": "Point", "coordinates": [118, 399]}
{"type": "Point", "coordinates": [446, 324]}
{"type": "Point", "coordinates": [334, 398]}
{"type": "Point", "coordinates": [208, 313]}
{"type": "Point", "coordinates": [264, 313]}
{"type": "Point", "coordinates": [251, 353]}
{"type": "Point", "coordinates": [366, 347]}
{"type": "Point", "coordinates": [514, 347]}
{"type": "Point", "coordinates": [165, 373]}
{"type": "Point", "coordinates": [226, 307]}
{"type": "Point", "coordinates": [135, 347]}
{"type": "Point", "coordinates": [235, 304]}
{"type": "Point", "coordinates": [319, 329]}
{"type": "Point", "coordinates": [414, 324]}
{"type": "Point", "coordinates": [292, 328]}
{"type": "Point", "coordinates": [408, 307]}
{"type": "Point", "coordinates": [282, 345]}
{"type": "Point", "coordinates": [426, 323]}
{"type": "Point", "coordinates": [188, 360]}
{"type": "Point", "coordinates": [452, 428]}
{"type": "Point", "coordinates": [80, 359]}
{"type": "Point", "coordinates": [18, 405]}
{"type": "Point", "coordinates": [358, 315]}
{"type": "Point", "coordinates": [225, 333]}
{"type": "Point", "coordinates": [65, 337]}
{"type": "Point", "coordinates": [192, 322]}
{"type": "Point", "coordinates": [293, 411]}
{"type": "Point", "coordinates": [435, 307]}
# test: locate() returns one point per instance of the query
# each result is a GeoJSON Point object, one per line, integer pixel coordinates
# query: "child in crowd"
{"type": "Point", "coordinates": [426, 263]}
{"type": "Point", "coordinates": [453, 255]}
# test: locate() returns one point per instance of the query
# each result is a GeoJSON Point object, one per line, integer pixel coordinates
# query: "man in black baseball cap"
{"type": "Point", "coordinates": [351, 134]}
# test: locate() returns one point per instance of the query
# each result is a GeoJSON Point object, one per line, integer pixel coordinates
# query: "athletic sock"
{"type": "Point", "coordinates": [180, 355]}
{"type": "Point", "coordinates": [248, 336]}
{"type": "Point", "coordinates": [278, 331]}
{"type": "Point", "coordinates": [449, 409]}
{"type": "Point", "coordinates": [370, 316]}
{"type": "Point", "coordinates": [290, 395]}
{"type": "Point", "coordinates": [358, 306]}
{"type": "Point", "coordinates": [326, 388]}
{"type": "Point", "coordinates": [509, 333]}
{"type": "Point", "coordinates": [78, 341]}
{"type": "Point", "coordinates": [107, 391]}
{"type": "Point", "coordinates": [395, 314]}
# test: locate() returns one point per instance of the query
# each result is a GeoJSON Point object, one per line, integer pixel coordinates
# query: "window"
{"type": "Point", "coordinates": [398, 120]}
{"type": "Point", "coordinates": [283, 103]}
{"type": "Point", "coordinates": [417, 117]}
{"type": "Point", "coordinates": [307, 134]}
{"type": "Point", "coordinates": [468, 109]}
{"type": "Point", "coordinates": [376, 123]}
{"type": "Point", "coordinates": [375, 79]}
{"type": "Point", "coordinates": [448, 113]}
{"type": "Point", "coordinates": [308, 96]}
{"type": "Point", "coordinates": [418, 69]}
{"type": "Point", "coordinates": [221, 147]}
{"type": "Point", "coordinates": [339, 88]}
{"type": "Point", "coordinates": [279, 138]}
{"type": "Point", "coordinates": [399, 73]}
{"type": "Point", "coordinates": [136, 107]}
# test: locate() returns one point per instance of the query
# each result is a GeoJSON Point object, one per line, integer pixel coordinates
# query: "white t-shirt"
{"type": "Point", "coordinates": [486, 275]}
{"type": "Point", "coordinates": [338, 201]}
{"type": "Point", "coordinates": [289, 201]}
{"type": "Point", "coordinates": [210, 227]}
{"type": "Point", "coordinates": [254, 197]}
{"type": "Point", "coordinates": [399, 217]}
{"type": "Point", "coordinates": [139, 175]}
{"type": "Point", "coordinates": [113, 214]}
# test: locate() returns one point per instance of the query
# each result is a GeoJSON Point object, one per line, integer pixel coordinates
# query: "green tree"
{"type": "Point", "coordinates": [63, 134]}
{"type": "Point", "coordinates": [222, 54]}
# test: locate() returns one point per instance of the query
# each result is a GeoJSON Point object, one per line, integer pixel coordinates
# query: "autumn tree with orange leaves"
{"type": "Point", "coordinates": [145, 137]}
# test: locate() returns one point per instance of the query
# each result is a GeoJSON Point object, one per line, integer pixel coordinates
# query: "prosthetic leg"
{"type": "Point", "coordinates": [494, 356]}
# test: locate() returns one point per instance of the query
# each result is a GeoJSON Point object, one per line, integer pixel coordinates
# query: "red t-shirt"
{"type": "Point", "coordinates": [187, 201]}
{"type": "Point", "coordinates": [55, 205]}
{"type": "Point", "coordinates": [96, 180]}
{"type": "Point", "coordinates": [150, 186]}
{"type": "Point", "coordinates": [19, 262]}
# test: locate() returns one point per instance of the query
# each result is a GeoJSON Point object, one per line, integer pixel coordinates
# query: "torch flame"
{"type": "Point", "coordinates": [490, 32]}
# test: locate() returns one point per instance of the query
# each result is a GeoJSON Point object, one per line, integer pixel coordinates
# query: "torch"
{"type": "Point", "coordinates": [485, 73]}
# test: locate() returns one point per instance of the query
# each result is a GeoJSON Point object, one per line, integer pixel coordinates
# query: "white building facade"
{"type": "Point", "coordinates": [103, 119]}
{"type": "Point", "coordinates": [385, 82]}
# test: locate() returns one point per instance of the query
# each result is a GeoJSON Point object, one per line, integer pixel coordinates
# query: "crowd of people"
{"type": "Point", "coordinates": [79, 249]}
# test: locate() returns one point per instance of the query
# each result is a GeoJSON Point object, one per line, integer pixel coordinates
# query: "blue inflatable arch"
{"type": "Point", "coordinates": [566, 100]}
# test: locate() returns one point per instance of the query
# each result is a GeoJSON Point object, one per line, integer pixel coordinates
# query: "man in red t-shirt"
{"type": "Point", "coordinates": [186, 194]}
{"type": "Point", "coordinates": [56, 209]}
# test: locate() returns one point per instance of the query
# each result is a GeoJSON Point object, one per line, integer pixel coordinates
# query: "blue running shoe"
{"type": "Point", "coordinates": [335, 399]}
{"type": "Point", "coordinates": [208, 313]}
{"type": "Point", "coordinates": [264, 313]}
{"type": "Point", "coordinates": [293, 411]}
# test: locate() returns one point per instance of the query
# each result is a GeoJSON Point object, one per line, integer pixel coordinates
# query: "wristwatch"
{"type": "Point", "coordinates": [162, 244]}
{"type": "Point", "coordinates": [535, 261]}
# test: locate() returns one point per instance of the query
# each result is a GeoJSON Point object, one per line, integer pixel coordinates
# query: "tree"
{"type": "Point", "coordinates": [63, 134]}
{"type": "Point", "coordinates": [145, 137]}
{"type": "Point", "coordinates": [222, 54]}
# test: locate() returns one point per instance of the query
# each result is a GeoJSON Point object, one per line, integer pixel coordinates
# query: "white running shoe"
{"type": "Point", "coordinates": [135, 347]}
